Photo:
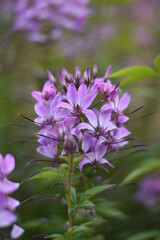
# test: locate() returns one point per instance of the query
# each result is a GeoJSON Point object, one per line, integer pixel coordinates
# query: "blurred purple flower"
{"type": "Point", "coordinates": [148, 192]}
{"type": "Point", "coordinates": [58, 15]}
{"type": "Point", "coordinates": [8, 204]}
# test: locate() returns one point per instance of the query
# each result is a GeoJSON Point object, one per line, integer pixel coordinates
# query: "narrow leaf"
{"type": "Point", "coordinates": [133, 74]}
{"type": "Point", "coordinates": [142, 169]}
{"type": "Point", "coordinates": [95, 190]}
{"type": "Point", "coordinates": [144, 235]}
{"type": "Point", "coordinates": [157, 63]}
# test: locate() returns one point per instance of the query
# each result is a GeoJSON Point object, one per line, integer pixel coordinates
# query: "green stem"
{"type": "Point", "coordinates": [68, 193]}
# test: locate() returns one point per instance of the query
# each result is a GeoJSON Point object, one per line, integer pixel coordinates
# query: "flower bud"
{"type": "Point", "coordinates": [49, 93]}
{"type": "Point", "coordinates": [69, 144]}
{"type": "Point", "coordinates": [51, 77]}
{"type": "Point", "coordinates": [95, 70]}
{"type": "Point", "coordinates": [62, 81]}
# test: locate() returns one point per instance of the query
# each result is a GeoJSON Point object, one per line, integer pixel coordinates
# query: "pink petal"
{"type": "Point", "coordinates": [72, 95]}
{"type": "Point", "coordinates": [124, 101]}
{"type": "Point", "coordinates": [87, 101]}
{"type": "Point", "coordinates": [8, 187]}
{"type": "Point", "coordinates": [83, 126]}
{"type": "Point", "coordinates": [106, 107]}
{"type": "Point", "coordinates": [55, 101]}
{"type": "Point", "coordinates": [100, 152]}
{"type": "Point", "coordinates": [104, 118]}
{"type": "Point", "coordinates": [7, 218]}
{"type": "Point", "coordinates": [86, 142]}
{"type": "Point", "coordinates": [82, 92]}
{"type": "Point", "coordinates": [91, 117]}
{"type": "Point", "coordinates": [122, 132]}
{"type": "Point", "coordinates": [65, 105]}
{"type": "Point", "coordinates": [1, 160]}
{"type": "Point", "coordinates": [83, 162]}
{"type": "Point", "coordinates": [12, 203]}
{"type": "Point", "coordinates": [123, 119]}
{"type": "Point", "coordinates": [8, 164]}
{"type": "Point", "coordinates": [103, 160]}
{"type": "Point", "coordinates": [16, 232]}
{"type": "Point", "coordinates": [37, 95]}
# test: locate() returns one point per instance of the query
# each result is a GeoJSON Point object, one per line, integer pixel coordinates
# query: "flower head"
{"type": "Point", "coordinates": [70, 120]}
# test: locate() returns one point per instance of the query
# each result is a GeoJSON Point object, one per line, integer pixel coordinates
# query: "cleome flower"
{"type": "Point", "coordinates": [46, 20]}
{"type": "Point", "coordinates": [70, 120]}
{"type": "Point", "coordinates": [8, 204]}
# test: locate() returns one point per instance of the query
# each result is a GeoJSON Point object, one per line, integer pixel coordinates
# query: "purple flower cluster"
{"type": "Point", "coordinates": [7, 203]}
{"type": "Point", "coordinates": [70, 118]}
{"type": "Point", "coordinates": [37, 17]}
{"type": "Point", "coordinates": [149, 192]}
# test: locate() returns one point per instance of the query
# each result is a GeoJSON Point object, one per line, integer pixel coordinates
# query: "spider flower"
{"type": "Point", "coordinates": [37, 18]}
{"type": "Point", "coordinates": [148, 193]}
{"type": "Point", "coordinates": [8, 204]}
{"type": "Point", "coordinates": [70, 120]}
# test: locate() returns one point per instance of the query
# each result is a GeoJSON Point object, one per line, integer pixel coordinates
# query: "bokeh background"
{"type": "Point", "coordinates": [119, 32]}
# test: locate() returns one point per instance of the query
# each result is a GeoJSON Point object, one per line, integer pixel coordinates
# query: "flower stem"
{"type": "Point", "coordinates": [68, 193]}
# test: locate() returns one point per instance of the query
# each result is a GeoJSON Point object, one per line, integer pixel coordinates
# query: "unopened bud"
{"type": "Point", "coordinates": [67, 76]}
{"type": "Point", "coordinates": [87, 76]}
{"type": "Point", "coordinates": [69, 144]}
{"type": "Point", "coordinates": [95, 70]}
{"type": "Point", "coordinates": [49, 93]}
{"type": "Point", "coordinates": [109, 69]}
{"type": "Point", "coordinates": [62, 81]}
{"type": "Point", "coordinates": [51, 78]}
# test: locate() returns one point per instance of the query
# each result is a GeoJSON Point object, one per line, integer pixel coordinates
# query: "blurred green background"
{"type": "Point", "coordinates": [122, 33]}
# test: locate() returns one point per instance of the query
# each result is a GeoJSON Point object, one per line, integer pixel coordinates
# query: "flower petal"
{"type": "Point", "coordinates": [106, 107]}
{"type": "Point", "coordinates": [8, 164]}
{"type": "Point", "coordinates": [83, 126]}
{"type": "Point", "coordinates": [100, 152]}
{"type": "Point", "coordinates": [83, 162]}
{"type": "Point", "coordinates": [72, 95]}
{"type": "Point", "coordinates": [7, 218]}
{"type": "Point", "coordinates": [37, 95]}
{"type": "Point", "coordinates": [122, 132]}
{"type": "Point", "coordinates": [12, 203]}
{"type": "Point", "coordinates": [86, 142]}
{"type": "Point", "coordinates": [124, 101]}
{"type": "Point", "coordinates": [87, 101]}
{"type": "Point", "coordinates": [82, 91]}
{"type": "Point", "coordinates": [16, 232]}
{"type": "Point", "coordinates": [103, 160]}
{"type": "Point", "coordinates": [92, 118]}
{"type": "Point", "coordinates": [122, 119]}
{"type": "Point", "coordinates": [104, 118]}
{"type": "Point", "coordinates": [8, 187]}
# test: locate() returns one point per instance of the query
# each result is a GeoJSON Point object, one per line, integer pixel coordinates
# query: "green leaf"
{"type": "Point", "coordinates": [142, 169]}
{"type": "Point", "coordinates": [95, 190]}
{"type": "Point", "coordinates": [65, 158]}
{"type": "Point", "coordinates": [77, 229]}
{"type": "Point", "coordinates": [110, 211]}
{"type": "Point", "coordinates": [71, 209]}
{"type": "Point", "coordinates": [133, 74]}
{"type": "Point", "coordinates": [157, 63]}
{"type": "Point", "coordinates": [144, 235]}
{"type": "Point", "coordinates": [76, 160]}
{"type": "Point", "coordinates": [56, 237]}
{"type": "Point", "coordinates": [51, 173]}
{"type": "Point", "coordinates": [86, 204]}
{"type": "Point", "coordinates": [73, 195]}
